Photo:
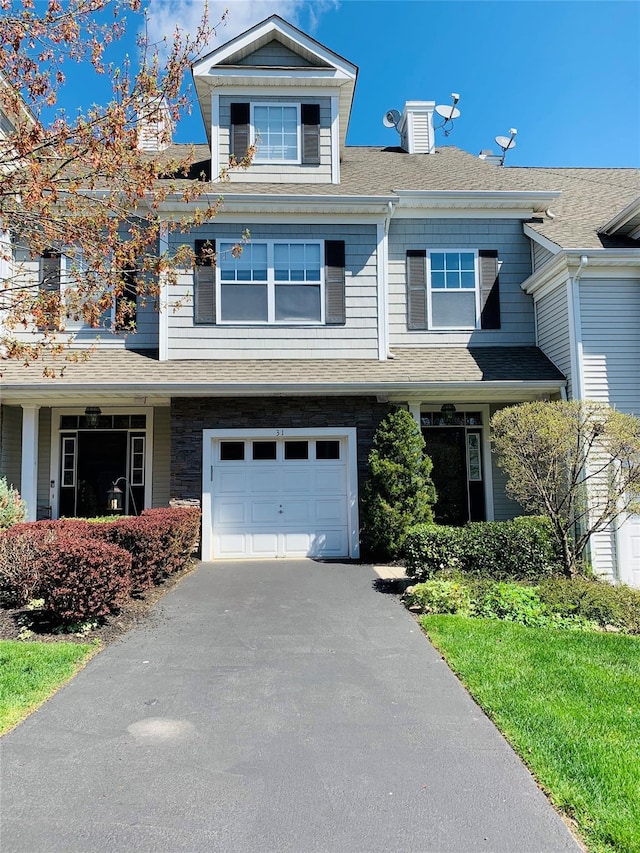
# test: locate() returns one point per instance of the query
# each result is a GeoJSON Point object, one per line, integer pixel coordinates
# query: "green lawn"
{"type": "Point", "coordinates": [569, 702]}
{"type": "Point", "coordinates": [31, 672]}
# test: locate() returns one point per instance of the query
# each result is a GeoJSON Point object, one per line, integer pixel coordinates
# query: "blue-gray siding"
{"type": "Point", "coordinates": [11, 444]}
{"type": "Point", "coordinates": [552, 316]}
{"type": "Point", "coordinates": [275, 53]}
{"type": "Point", "coordinates": [358, 338]}
{"type": "Point", "coordinates": [610, 318]}
{"type": "Point", "coordinates": [161, 456]}
{"type": "Point", "coordinates": [540, 255]}
{"type": "Point", "coordinates": [505, 235]}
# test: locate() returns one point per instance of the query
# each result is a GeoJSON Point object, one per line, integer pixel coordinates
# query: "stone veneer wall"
{"type": "Point", "coordinates": [190, 416]}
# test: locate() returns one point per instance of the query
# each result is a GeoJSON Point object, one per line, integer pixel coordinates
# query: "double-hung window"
{"type": "Point", "coordinates": [453, 290]}
{"type": "Point", "coordinates": [448, 289]}
{"type": "Point", "coordinates": [276, 132]}
{"type": "Point", "coordinates": [271, 282]}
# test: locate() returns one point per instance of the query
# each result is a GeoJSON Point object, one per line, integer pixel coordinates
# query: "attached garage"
{"type": "Point", "coordinates": [279, 493]}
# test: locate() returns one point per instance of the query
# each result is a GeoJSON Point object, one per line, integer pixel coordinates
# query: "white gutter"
{"type": "Point", "coordinates": [528, 200]}
{"type": "Point", "coordinates": [568, 260]}
{"type": "Point", "coordinates": [303, 388]}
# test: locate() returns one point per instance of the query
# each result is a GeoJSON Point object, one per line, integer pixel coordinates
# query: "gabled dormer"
{"type": "Point", "coordinates": [278, 89]}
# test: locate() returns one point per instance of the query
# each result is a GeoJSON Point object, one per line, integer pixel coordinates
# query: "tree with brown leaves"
{"type": "Point", "coordinates": [89, 187]}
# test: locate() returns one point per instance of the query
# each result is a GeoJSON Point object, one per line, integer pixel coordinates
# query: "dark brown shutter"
{"type": "Point", "coordinates": [128, 296]}
{"type": "Point", "coordinates": [334, 259]}
{"type": "Point", "coordinates": [310, 114]}
{"type": "Point", "coordinates": [416, 289]}
{"type": "Point", "coordinates": [50, 263]}
{"type": "Point", "coordinates": [239, 130]}
{"type": "Point", "coordinates": [204, 282]}
{"type": "Point", "coordinates": [489, 289]}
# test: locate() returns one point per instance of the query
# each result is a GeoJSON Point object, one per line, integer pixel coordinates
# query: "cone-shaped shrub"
{"type": "Point", "coordinates": [399, 492]}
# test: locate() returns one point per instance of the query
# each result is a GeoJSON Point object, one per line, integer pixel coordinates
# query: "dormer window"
{"type": "Point", "coordinates": [275, 130]}
{"type": "Point", "coordinates": [283, 133]}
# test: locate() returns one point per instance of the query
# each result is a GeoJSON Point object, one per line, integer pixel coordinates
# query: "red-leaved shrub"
{"type": "Point", "coordinates": [20, 552]}
{"type": "Point", "coordinates": [83, 578]}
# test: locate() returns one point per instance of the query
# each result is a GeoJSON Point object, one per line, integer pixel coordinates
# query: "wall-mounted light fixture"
{"type": "Point", "coordinates": [92, 414]}
{"type": "Point", "coordinates": [448, 410]}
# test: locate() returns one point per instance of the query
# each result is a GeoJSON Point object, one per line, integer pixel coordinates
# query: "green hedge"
{"type": "Point", "coordinates": [575, 603]}
{"type": "Point", "coordinates": [522, 549]}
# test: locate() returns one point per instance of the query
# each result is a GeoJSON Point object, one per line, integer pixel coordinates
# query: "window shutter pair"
{"type": "Point", "coordinates": [310, 115]}
{"type": "Point", "coordinates": [204, 282]}
{"type": "Point", "coordinates": [417, 289]}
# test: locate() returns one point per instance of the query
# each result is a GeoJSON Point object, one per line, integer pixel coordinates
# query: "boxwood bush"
{"type": "Point", "coordinates": [522, 549]}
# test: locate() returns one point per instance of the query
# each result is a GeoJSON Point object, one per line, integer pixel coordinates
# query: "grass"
{"type": "Point", "coordinates": [31, 672]}
{"type": "Point", "coordinates": [569, 703]}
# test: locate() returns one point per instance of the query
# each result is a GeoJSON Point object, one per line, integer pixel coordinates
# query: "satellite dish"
{"type": "Point", "coordinates": [447, 112]}
{"type": "Point", "coordinates": [391, 118]}
{"type": "Point", "coordinates": [506, 142]}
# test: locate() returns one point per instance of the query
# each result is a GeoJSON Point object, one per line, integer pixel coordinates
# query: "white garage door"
{"type": "Point", "coordinates": [629, 538]}
{"type": "Point", "coordinates": [280, 495]}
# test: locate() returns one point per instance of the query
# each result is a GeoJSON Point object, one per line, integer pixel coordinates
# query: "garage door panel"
{"type": "Point", "coordinates": [264, 481]}
{"type": "Point", "coordinates": [263, 512]}
{"type": "Point", "coordinates": [230, 512]}
{"type": "Point", "coordinates": [331, 480]}
{"type": "Point", "coordinates": [231, 544]}
{"type": "Point", "coordinates": [231, 481]}
{"type": "Point", "coordinates": [297, 481]}
{"type": "Point", "coordinates": [296, 511]}
{"type": "Point", "coordinates": [263, 544]}
{"type": "Point", "coordinates": [331, 511]}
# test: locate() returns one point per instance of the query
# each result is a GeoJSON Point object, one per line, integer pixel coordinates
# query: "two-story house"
{"type": "Point", "coordinates": [413, 275]}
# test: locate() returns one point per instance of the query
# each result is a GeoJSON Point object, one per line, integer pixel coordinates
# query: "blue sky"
{"type": "Point", "coordinates": [565, 74]}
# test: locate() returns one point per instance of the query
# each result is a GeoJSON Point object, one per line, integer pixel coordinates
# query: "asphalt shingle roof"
{"type": "Point", "coordinates": [590, 197]}
{"type": "Point", "coordinates": [421, 366]}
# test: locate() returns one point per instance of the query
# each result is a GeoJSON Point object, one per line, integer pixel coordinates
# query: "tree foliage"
{"type": "Point", "coordinates": [81, 186]}
{"type": "Point", "coordinates": [576, 462]}
{"type": "Point", "coordinates": [399, 492]}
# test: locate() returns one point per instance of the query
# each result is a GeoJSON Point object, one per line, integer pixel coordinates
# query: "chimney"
{"type": "Point", "coordinates": [416, 127]}
{"type": "Point", "coordinates": [154, 126]}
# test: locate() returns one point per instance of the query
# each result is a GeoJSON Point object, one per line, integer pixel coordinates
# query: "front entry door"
{"type": "Point", "coordinates": [457, 475]}
{"type": "Point", "coordinates": [92, 461]}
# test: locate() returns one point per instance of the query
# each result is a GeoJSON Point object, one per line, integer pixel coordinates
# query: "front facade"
{"type": "Point", "coordinates": [372, 278]}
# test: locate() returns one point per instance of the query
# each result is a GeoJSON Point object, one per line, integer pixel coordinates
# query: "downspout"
{"type": "Point", "coordinates": [383, 285]}
{"type": "Point", "coordinates": [577, 378]}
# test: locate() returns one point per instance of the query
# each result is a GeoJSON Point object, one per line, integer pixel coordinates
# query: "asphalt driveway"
{"type": "Point", "coordinates": [280, 706]}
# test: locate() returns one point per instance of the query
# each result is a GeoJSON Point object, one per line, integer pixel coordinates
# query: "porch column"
{"type": "Point", "coordinates": [29, 472]}
{"type": "Point", "coordinates": [414, 411]}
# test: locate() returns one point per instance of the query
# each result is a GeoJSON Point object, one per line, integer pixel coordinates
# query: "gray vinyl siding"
{"type": "Point", "coordinates": [504, 235]}
{"type": "Point", "coordinates": [44, 462]}
{"type": "Point", "coordinates": [552, 316]}
{"type": "Point", "coordinates": [146, 335]}
{"type": "Point", "coordinates": [610, 319]}
{"type": "Point", "coordinates": [275, 53]}
{"type": "Point", "coordinates": [278, 172]}
{"type": "Point", "coordinates": [540, 256]}
{"type": "Point", "coordinates": [161, 457]}
{"type": "Point", "coordinates": [358, 338]}
{"type": "Point", "coordinates": [11, 444]}
{"type": "Point", "coordinates": [504, 508]}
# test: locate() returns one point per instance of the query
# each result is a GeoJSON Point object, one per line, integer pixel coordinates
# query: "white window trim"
{"type": "Point", "coordinates": [271, 288]}
{"type": "Point", "coordinates": [254, 137]}
{"type": "Point", "coordinates": [210, 466]}
{"type": "Point", "coordinates": [452, 251]}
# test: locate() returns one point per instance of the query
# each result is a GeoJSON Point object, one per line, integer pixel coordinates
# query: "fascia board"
{"type": "Point", "coordinates": [527, 200]}
{"type": "Point", "coordinates": [166, 390]}
{"type": "Point", "coordinates": [265, 203]}
{"type": "Point", "coordinates": [566, 262]}
{"type": "Point", "coordinates": [537, 237]}
{"type": "Point", "coordinates": [624, 217]}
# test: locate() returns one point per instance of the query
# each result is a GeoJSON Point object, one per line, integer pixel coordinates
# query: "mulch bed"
{"type": "Point", "coordinates": [137, 611]}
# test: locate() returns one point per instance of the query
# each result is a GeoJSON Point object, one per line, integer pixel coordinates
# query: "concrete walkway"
{"type": "Point", "coordinates": [282, 706]}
